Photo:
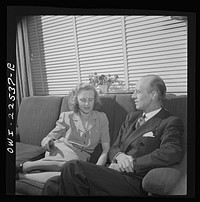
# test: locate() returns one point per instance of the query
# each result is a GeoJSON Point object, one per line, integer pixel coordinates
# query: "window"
{"type": "Point", "coordinates": [157, 45]}
{"type": "Point", "coordinates": [66, 49]}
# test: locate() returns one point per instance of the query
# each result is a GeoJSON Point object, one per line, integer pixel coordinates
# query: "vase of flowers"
{"type": "Point", "coordinates": [103, 82]}
{"type": "Point", "coordinates": [104, 88]}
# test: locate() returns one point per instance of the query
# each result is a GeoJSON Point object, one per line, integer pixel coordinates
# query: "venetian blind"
{"type": "Point", "coordinates": [53, 54]}
{"type": "Point", "coordinates": [66, 49]}
{"type": "Point", "coordinates": [100, 45]}
{"type": "Point", "coordinates": [157, 45]}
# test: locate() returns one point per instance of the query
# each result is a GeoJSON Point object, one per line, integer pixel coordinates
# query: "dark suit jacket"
{"type": "Point", "coordinates": [157, 143]}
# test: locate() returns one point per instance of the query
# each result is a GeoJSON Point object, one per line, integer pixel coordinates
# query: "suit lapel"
{"type": "Point", "coordinates": [146, 127]}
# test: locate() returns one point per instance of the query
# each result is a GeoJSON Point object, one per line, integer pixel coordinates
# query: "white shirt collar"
{"type": "Point", "coordinates": [151, 114]}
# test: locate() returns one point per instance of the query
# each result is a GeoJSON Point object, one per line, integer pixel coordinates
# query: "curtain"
{"type": "Point", "coordinates": [23, 74]}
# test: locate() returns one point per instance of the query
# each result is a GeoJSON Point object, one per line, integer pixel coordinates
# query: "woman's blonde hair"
{"type": "Point", "coordinates": [73, 101]}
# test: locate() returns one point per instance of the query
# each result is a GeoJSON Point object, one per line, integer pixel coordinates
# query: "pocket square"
{"type": "Point", "coordinates": [149, 134]}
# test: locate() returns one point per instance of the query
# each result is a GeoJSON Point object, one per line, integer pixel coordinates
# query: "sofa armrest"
{"type": "Point", "coordinates": [161, 181]}
{"type": "Point", "coordinates": [17, 135]}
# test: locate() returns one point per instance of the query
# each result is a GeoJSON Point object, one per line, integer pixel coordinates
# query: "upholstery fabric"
{"type": "Point", "coordinates": [124, 104]}
{"type": "Point", "coordinates": [37, 117]}
{"type": "Point", "coordinates": [64, 106]}
{"type": "Point", "coordinates": [161, 180]}
{"type": "Point", "coordinates": [178, 106]}
{"type": "Point", "coordinates": [108, 106]}
{"type": "Point", "coordinates": [29, 187]}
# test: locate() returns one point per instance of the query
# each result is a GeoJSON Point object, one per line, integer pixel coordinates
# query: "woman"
{"type": "Point", "coordinates": [75, 136]}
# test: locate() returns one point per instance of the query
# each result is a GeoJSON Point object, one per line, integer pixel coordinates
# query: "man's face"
{"type": "Point", "coordinates": [142, 96]}
{"type": "Point", "coordinates": [86, 101]}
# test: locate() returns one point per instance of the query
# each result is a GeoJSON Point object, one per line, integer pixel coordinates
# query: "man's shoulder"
{"type": "Point", "coordinates": [170, 118]}
{"type": "Point", "coordinates": [167, 114]}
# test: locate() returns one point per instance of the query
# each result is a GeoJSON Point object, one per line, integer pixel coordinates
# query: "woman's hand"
{"type": "Point", "coordinates": [125, 162]}
{"type": "Point", "coordinates": [48, 144]}
{"type": "Point", "coordinates": [51, 144]}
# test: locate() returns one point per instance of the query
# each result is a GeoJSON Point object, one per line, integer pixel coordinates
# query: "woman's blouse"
{"type": "Point", "coordinates": [69, 128]}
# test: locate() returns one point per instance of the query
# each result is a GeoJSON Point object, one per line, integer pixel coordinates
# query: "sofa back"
{"type": "Point", "coordinates": [37, 117]}
{"type": "Point", "coordinates": [177, 105]}
{"type": "Point", "coordinates": [38, 114]}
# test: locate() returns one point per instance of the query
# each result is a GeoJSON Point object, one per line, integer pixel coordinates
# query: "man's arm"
{"type": "Point", "coordinates": [170, 151]}
{"type": "Point", "coordinates": [116, 148]}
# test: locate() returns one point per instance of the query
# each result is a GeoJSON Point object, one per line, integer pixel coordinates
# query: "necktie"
{"type": "Point", "coordinates": [140, 121]}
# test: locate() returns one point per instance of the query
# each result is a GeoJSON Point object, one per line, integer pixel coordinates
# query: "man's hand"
{"type": "Point", "coordinates": [114, 166]}
{"type": "Point", "coordinates": [125, 162]}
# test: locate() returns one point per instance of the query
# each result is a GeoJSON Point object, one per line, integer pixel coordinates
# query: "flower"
{"type": "Point", "coordinates": [96, 80]}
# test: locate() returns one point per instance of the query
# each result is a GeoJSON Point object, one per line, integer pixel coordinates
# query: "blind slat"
{"type": "Point", "coordinates": [160, 62]}
{"type": "Point", "coordinates": [101, 53]}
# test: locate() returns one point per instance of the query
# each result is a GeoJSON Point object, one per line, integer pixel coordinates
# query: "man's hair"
{"type": "Point", "coordinates": [158, 85]}
{"type": "Point", "coordinates": [73, 101]}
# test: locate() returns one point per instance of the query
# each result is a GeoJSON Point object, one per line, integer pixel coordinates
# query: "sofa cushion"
{"type": "Point", "coordinates": [161, 181]}
{"type": "Point", "coordinates": [37, 117]}
{"type": "Point", "coordinates": [25, 152]}
{"type": "Point", "coordinates": [29, 187]}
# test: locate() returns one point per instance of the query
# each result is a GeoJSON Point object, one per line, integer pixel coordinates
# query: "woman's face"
{"type": "Point", "coordinates": [86, 101]}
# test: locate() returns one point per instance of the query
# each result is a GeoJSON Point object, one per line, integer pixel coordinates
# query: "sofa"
{"type": "Point", "coordinates": [37, 116]}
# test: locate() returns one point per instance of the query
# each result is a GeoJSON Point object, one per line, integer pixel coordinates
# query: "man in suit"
{"type": "Point", "coordinates": [148, 138]}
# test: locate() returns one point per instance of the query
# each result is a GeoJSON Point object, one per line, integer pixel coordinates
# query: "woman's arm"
{"type": "Point", "coordinates": [103, 157]}
{"type": "Point", "coordinates": [57, 132]}
{"type": "Point", "coordinates": [105, 139]}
